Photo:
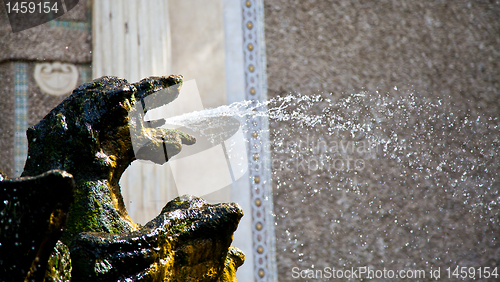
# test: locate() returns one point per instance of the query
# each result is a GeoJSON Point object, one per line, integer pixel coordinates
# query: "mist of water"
{"type": "Point", "coordinates": [408, 129]}
{"type": "Point", "coordinates": [368, 157]}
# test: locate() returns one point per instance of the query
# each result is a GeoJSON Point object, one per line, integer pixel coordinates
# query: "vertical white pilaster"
{"type": "Point", "coordinates": [262, 225]}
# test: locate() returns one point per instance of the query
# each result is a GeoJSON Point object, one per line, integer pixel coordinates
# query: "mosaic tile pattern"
{"type": "Point", "coordinates": [21, 116]}
{"type": "Point", "coordinates": [85, 72]}
{"type": "Point", "coordinates": [71, 25]}
{"type": "Point", "coordinates": [256, 90]}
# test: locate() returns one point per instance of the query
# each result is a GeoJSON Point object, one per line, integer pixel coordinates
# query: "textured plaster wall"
{"type": "Point", "coordinates": [7, 118]}
{"type": "Point", "coordinates": [39, 105]}
{"type": "Point", "coordinates": [45, 43]}
{"type": "Point", "coordinates": [391, 214]}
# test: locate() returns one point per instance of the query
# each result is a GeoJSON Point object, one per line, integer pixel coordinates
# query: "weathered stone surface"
{"type": "Point", "coordinates": [33, 213]}
{"type": "Point", "coordinates": [188, 241]}
{"type": "Point", "coordinates": [88, 136]}
{"type": "Point", "coordinates": [235, 258]}
{"type": "Point", "coordinates": [59, 265]}
{"type": "Point", "coordinates": [94, 134]}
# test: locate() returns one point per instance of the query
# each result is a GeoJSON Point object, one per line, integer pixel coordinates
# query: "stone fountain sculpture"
{"type": "Point", "coordinates": [77, 154]}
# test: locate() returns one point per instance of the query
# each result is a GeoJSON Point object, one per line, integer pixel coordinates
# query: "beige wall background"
{"type": "Point", "coordinates": [199, 54]}
{"type": "Point", "coordinates": [198, 47]}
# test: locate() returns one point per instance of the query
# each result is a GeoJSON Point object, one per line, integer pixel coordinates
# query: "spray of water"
{"type": "Point", "coordinates": [398, 157]}
{"type": "Point", "coordinates": [406, 128]}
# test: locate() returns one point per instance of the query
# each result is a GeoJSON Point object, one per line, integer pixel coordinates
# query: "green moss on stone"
{"type": "Point", "coordinates": [89, 136]}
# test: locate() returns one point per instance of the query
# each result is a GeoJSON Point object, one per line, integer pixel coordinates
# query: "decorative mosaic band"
{"type": "Point", "coordinates": [85, 72]}
{"type": "Point", "coordinates": [20, 116]}
{"type": "Point", "coordinates": [71, 25]}
{"type": "Point", "coordinates": [75, 25]}
{"type": "Point", "coordinates": [264, 252]}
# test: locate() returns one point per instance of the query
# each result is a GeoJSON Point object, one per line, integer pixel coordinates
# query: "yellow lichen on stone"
{"type": "Point", "coordinates": [235, 258]}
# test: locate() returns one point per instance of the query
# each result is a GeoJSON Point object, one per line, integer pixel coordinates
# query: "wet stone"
{"type": "Point", "coordinates": [33, 213]}
{"type": "Point", "coordinates": [188, 241]}
{"type": "Point", "coordinates": [94, 135]}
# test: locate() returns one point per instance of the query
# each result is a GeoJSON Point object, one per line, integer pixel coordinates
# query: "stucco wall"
{"type": "Point", "coordinates": [67, 40]}
{"type": "Point", "coordinates": [397, 213]}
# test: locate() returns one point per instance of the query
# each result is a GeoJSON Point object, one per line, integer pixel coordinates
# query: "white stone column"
{"type": "Point", "coordinates": [257, 191]}
{"type": "Point", "coordinates": [131, 39]}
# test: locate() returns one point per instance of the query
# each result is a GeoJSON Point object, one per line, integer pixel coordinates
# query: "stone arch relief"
{"type": "Point", "coordinates": [56, 78]}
